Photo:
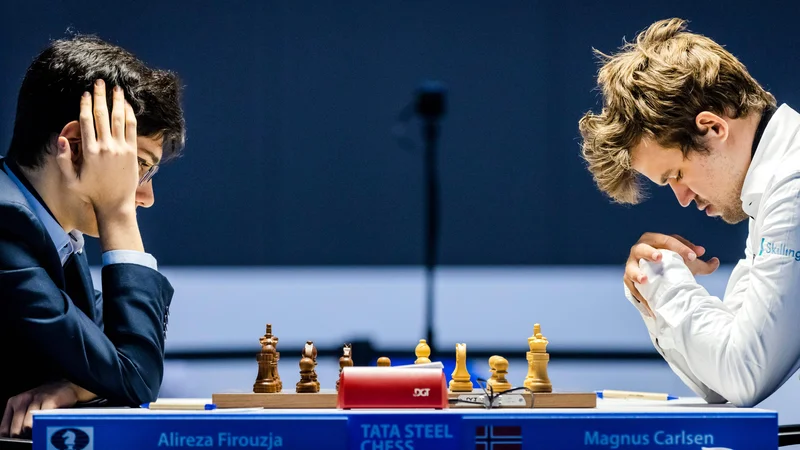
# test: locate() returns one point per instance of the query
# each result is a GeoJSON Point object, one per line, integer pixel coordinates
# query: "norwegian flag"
{"type": "Point", "coordinates": [498, 437]}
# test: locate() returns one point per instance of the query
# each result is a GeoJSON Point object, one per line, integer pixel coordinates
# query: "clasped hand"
{"type": "Point", "coordinates": [647, 248]}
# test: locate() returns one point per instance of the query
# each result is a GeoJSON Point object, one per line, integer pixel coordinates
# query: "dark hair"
{"type": "Point", "coordinates": [49, 97]}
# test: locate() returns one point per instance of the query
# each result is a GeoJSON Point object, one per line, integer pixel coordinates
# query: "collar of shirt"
{"type": "Point", "coordinates": [771, 149]}
{"type": "Point", "coordinates": [66, 243]}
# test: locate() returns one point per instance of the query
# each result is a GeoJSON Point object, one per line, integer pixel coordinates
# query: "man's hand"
{"type": "Point", "coordinates": [18, 417]}
{"type": "Point", "coordinates": [108, 174]}
{"type": "Point", "coordinates": [648, 248]}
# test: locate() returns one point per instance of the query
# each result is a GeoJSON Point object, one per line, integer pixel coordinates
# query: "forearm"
{"type": "Point", "coordinates": [136, 311]}
{"type": "Point", "coordinates": [124, 363]}
{"type": "Point", "coordinates": [744, 356]}
{"type": "Point", "coordinates": [675, 360]}
{"type": "Point", "coordinates": [119, 229]}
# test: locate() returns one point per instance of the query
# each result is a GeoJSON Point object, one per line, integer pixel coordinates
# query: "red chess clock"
{"type": "Point", "coordinates": [392, 387]}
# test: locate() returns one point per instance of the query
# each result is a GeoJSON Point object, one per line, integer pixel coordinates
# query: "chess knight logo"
{"type": "Point", "coordinates": [76, 438]}
{"type": "Point", "coordinates": [498, 437]}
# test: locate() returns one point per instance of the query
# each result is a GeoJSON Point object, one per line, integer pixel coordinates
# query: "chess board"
{"type": "Point", "coordinates": [326, 399]}
{"type": "Point", "coordinates": [268, 391]}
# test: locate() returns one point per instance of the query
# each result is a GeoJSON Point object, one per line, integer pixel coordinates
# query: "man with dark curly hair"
{"type": "Point", "coordinates": [92, 125]}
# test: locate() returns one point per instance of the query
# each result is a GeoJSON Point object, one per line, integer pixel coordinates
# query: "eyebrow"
{"type": "Point", "coordinates": [152, 155]}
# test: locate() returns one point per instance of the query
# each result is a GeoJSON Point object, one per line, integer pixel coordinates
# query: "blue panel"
{"type": "Point", "coordinates": [423, 430]}
{"type": "Point", "coordinates": [405, 431]}
{"type": "Point", "coordinates": [222, 432]}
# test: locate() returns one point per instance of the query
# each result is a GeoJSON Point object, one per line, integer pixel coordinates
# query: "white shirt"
{"type": "Point", "coordinates": [743, 347]}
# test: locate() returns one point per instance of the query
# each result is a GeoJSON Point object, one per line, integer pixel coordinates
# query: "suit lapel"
{"type": "Point", "coordinates": [79, 284]}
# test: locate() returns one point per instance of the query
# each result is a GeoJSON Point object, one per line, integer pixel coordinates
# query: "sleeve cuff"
{"type": "Point", "coordinates": [636, 303]}
{"type": "Point", "coordinates": [129, 257]}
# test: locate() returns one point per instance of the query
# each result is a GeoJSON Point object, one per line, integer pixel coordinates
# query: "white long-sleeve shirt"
{"type": "Point", "coordinates": [743, 347]}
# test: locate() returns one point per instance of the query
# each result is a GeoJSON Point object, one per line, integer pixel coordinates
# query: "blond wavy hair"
{"type": "Point", "coordinates": [655, 87]}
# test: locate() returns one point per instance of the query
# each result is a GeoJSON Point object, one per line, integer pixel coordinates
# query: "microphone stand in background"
{"type": "Point", "coordinates": [430, 106]}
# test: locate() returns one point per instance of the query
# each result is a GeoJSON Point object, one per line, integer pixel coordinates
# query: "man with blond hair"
{"type": "Point", "coordinates": [682, 111]}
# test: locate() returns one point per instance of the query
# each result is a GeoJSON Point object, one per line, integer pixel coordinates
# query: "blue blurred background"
{"type": "Point", "coordinates": [295, 204]}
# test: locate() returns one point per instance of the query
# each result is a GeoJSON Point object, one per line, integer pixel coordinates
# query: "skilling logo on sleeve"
{"type": "Point", "coordinates": [75, 438]}
{"type": "Point", "coordinates": [777, 248]}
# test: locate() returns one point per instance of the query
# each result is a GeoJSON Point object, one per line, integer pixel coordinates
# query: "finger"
{"type": "Point", "coordinates": [633, 273]}
{"type": "Point", "coordinates": [101, 111]}
{"type": "Point", "coordinates": [635, 292]}
{"type": "Point", "coordinates": [130, 124]}
{"type": "Point", "coordinates": [17, 418]}
{"type": "Point", "coordinates": [644, 251]}
{"type": "Point", "coordinates": [5, 425]}
{"type": "Point", "coordinates": [49, 403]}
{"type": "Point", "coordinates": [27, 420]}
{"type": "Point", "coordinates": [669, 243]}
{"type": "Point", "coordinates": [118, 112]}
{"type": "Point", "coordinates": [64, 159]}
{"type": "Point", "coordinates": [88, 135]}
{"type": "Point", "coordinates": [707, 267]}
{"type": "Point", "coordinates": [699, 250]}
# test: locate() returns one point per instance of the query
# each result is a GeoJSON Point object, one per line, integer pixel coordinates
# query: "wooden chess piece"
{"type": "Point", "coordinates": [310, 351]}
{"type": "Point", "coordinates": [314, 357]}
{"type": "Point", "coordinates": [537, 379]}
{"type": "Point", "coordinates": [460, 381]}
{"type": "Point", "coordinates": [423, 351]}
{"type": "Point", "coordinates": [262, 373]}
{"type": "Point", "coordinates": [493, 377]}
{"type": "Point", "coordinates": [501, 370]}
{"type": "Point", "coordinates": [306, 385]}
{"type": "Point", "coordinates": [267, 382]}
{"type": "Point", "coordinates": [345, 361]}
{"type": "Point", "coordinates": [384, 362]}
{"type": "Point", "coordinates": [269, 335]}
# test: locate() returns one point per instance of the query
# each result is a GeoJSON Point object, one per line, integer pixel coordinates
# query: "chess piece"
{"type": "Point", "coordinates": [423, 351]}
{"type": "Point", "coordinates": [266, 383]}
{"type": "Point", "coordinates": [268, 335]}
{"type": "Point", "coordinates": [310, 352]}
{"type": "Point", "coordinates": [501, 370]}
{"type": "Point", "coordinates": [345, 361]}
{"type": "Point", "coordinates": [493, 377]}
{"type": "Point", "coordinates": [537, 379]}
{"type": "Point", "coordinates": [314, 357]}
{"type": "Point", "coordinates": [384, 362]}
{"type": "Point", "coordinates": [306, 385]}
{"type": "Point", "coordinates": [262, 372]}
{"type": "Point", "coordinates": [460, 381]}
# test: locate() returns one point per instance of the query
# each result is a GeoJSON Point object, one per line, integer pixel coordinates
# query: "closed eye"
{"type": "Point", "coordinates": [668, 175]}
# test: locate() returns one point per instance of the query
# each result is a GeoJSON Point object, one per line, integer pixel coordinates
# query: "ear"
{"type": "Point", "coordinates": [71, 135]}
{"type": "Point", "coordinates": [712, 125]}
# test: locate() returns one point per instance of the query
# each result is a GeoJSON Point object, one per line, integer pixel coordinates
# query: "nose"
{"type": "Point", "coordinates": [682, 193]}
{"type": "Point", "coordinates": [144, 195]}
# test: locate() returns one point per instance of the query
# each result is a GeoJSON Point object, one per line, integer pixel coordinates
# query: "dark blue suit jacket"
{"type": "Point", "coordinates": [54, 325]}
